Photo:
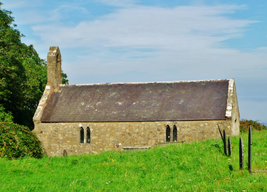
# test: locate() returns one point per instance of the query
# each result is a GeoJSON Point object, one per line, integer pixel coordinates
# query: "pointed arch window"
{"type": "Point", "coordinates": [81, 135]}
{"type": "Point", "coordinates": [88, 135]}
{"type": "Point", "coordinates": [168, 133]}
{"type": "Point", "coordinates": [174, 133]}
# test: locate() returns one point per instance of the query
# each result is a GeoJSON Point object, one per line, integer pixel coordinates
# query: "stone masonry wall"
{"type": "Point", "coordinates": [235, 119]}
{"type": "Point", "coordinates": [56, 137]}
{"type": "Point", "coordinates": [232, 110]}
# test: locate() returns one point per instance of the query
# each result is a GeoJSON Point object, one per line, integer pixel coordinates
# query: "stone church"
{"type": "Point", "coordinates": [93, 118]}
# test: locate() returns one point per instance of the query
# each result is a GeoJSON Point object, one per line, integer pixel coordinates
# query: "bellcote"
{"type": "Point", "coordinates": [54, 67]}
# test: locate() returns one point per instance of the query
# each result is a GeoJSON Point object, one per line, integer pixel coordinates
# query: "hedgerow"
{"type": "Point", "coordinates": [18, 141]}
{"type": "Point", "coordinates": [244, 125]}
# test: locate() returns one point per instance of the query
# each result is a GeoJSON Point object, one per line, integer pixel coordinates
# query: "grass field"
{"type": "Point", "coordinates": [197, 166]}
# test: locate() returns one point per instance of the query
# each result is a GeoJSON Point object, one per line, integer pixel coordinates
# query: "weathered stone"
{"type": "Point", "coordinates": [54, 145]}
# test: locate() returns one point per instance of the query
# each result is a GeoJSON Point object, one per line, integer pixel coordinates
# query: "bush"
{"type": "Point", "coordinates": [244, 125]}
{"type": "Point", "coordinates": [5, 116]}
{"type": "Point", "coordinates": [18, 141]}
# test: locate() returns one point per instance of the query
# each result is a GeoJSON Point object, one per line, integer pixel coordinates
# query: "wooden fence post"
{"type": "Point", "coordinates": [241, 153]}
{"type": "Point", "coordinates": [224, 142]}
{"type": "Point", "coordinates": [220, 132]}
{"type": "Point", "coordinates": [229, 147]}
{"type": "Point", "coordinates": [249, 149]}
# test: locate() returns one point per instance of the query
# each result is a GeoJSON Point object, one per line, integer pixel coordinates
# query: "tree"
{"type": "Point", "coordinates": [23, 74]}
{"type": "Point", "coordinates": [4, 116]}
{"type": "Point", "coordinates": [12, 72]}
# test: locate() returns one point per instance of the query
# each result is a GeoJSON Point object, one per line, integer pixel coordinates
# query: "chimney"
{"type": "Point", "coordinates": [54, 67]}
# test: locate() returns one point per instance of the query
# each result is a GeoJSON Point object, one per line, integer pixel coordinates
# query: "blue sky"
{"type": "Point", "coordinates": [154, 40]}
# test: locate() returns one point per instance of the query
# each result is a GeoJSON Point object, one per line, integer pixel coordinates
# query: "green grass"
{"type": "Point", "coordinates": [197, 166]}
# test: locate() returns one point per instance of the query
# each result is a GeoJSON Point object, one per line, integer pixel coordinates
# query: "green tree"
{"type": "Point", "coordinates": [12, 72]}
{"type": "Point", "coordinates": [4, 116]}
{"type": "Point", "coordinates": [23, 74]}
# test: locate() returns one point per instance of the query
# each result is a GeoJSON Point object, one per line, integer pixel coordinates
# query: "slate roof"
{"type": "Point", "coordinates": [130, 102]}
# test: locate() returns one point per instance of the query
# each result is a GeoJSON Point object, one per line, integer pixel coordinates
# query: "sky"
{"type": "Point", "coordinates": [105, 41]}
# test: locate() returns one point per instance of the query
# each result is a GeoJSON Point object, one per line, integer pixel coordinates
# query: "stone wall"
{"type": "Point", "coordinates": [54, 67]}
{"type": "Point", "coordinates": [56, 137]}
{"type": "Point", "coordinates": [235, 118]}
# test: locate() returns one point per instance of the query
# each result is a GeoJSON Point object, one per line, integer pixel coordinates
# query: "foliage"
{"type": "Point", "coordinates": [23, 74]}
{"type": "Point", "coordinates": [18, 141]}
{"type": "Point", "coordinates": [197, 166]}
{"type": "Point", "coordinates": [64, 78]}
{"type": "Point", "coordinates": [244, 125]}
{"type": "Point", "coordinates": [4, 116]}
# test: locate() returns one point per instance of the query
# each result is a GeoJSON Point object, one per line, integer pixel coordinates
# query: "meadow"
{"type": "Point", "coordinates": [196, 166]}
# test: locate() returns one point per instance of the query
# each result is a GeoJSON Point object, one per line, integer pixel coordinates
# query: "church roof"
{"type": "Point", "coordinates": [129, 102]}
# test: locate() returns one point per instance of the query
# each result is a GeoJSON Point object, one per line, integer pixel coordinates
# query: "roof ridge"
{"type": "Point", "coordinates": [148, 82]}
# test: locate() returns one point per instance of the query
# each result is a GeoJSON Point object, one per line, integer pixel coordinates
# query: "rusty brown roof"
{"type": "Point", "coordinates": [159, 101]}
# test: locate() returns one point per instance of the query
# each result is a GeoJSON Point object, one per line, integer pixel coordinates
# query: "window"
{"type": "Point", "coordinates": [168, 134]}
{"type": "Point", "coordinates": [81, 135]}
{"type": "Point", "coordinates": [88, 135]}
{"type": "Point", "coordinates": [174, 134]}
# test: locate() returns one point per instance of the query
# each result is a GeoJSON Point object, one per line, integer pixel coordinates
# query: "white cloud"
{"type": "Point", "coordinates": [181, 38]}
{"type": "Point", "coordinates": [27, 12]}
{"type": "Point", "coordinates": [15, 4]}
{"type": "Point", "coordinates": [150, 27]}
{"type": "Point", "coordinates": [10, 5]}
{"type": "Point", "coordinates": [262, 49]}
{"type": "Point", "coordinates": [118, 3]}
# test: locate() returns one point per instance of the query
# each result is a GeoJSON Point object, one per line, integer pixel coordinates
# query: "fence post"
{"type": "Point", "coordinates": [220, 132]}
{"type": "Point", "coordinates": [241, 153]}
{"type": "Point", "coordinates": [249, 149]}
{"type": "Point", "coordinates": [229, 147]}
{"type": "Point", "coordinates": [224, 142]}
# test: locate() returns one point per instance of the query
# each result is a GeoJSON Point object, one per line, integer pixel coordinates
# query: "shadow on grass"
{"type": "Point", "coordinates": [217, 146]}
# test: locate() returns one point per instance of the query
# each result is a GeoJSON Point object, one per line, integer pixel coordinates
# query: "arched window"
{"type": "Point", "coordinates": [174, 134]}
{"type": "Point", "coordinates": [81, 135]}
{"type": "Point", "coordinates": [168, 133]}
{"type": "Point", "coordinates": [88, 135]}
